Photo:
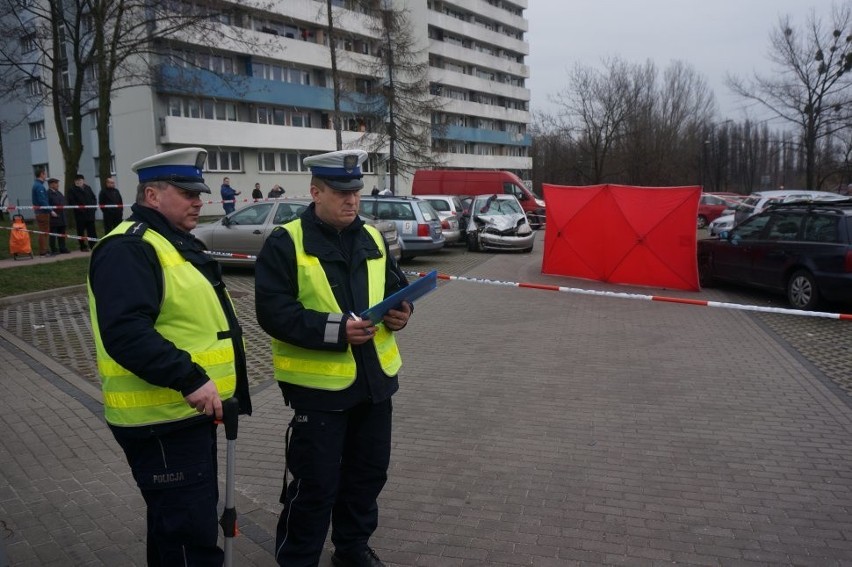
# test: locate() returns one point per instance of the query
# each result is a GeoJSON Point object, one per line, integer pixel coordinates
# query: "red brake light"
{"type": "Point", "coordinates": [847, 266]}
{"type": "Point", "coordinates": [445, 224]}
{"type": "Point", "coordinates": [422, 230]}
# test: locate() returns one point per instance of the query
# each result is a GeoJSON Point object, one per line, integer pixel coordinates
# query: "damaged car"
{"type": "Point", "coordinates": [497, 222]}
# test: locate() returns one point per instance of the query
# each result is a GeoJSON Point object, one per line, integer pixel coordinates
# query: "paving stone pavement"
{"type": "Point", "coordinates": [531, 428]}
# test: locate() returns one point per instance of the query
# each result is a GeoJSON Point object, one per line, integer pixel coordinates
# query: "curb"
{"type": "Point", "coordinates": [39, 295]}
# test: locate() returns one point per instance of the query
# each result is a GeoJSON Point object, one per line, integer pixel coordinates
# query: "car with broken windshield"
{"type": "Point", "coordinates": [497, 222]}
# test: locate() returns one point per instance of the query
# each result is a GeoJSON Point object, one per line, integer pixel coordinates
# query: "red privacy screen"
{"type": "Point", "coordinates": [622, 234]}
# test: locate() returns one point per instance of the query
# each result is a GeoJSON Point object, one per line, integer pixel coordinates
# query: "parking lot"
{"type": "Point", "coordinates": [822, 343]}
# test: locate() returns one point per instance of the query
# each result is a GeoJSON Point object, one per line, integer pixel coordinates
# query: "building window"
{"type": "Point", "coordinates": [208, 109]}
{"type": "Point", "coordinates": [263, 115]}
{"type": "Point", "coordinates": [28, 43]}
{"type": "Point", "coordinates": [219, 160]}
{"type": "Point", "coordinates": [300, 119]}
{"type": "Point", "coordinates": [111, 166]}
{"type": "Point", "coordinates": [34, 87]}
{"type": "Point", "coordinates": [266, 161]}
{"type": "Point", "coordinates": [279, 117]}
{"type": "Point", "coordinates": [37, 130]}
{"type": "Point", "coordinates": [292, 161]}
{"type": "Point", "coordinates": [193, 108]}
{"type": "Point", "coordinates": [175, 106]}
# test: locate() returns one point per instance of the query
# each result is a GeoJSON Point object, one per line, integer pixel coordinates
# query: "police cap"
{"type": "Point", "coordinates": [181, 168]}
{"type": "Point", "coordinates": [340, 170]}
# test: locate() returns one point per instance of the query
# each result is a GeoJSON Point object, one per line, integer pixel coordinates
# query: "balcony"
{"type": "Point", "coordinates": [468, 108]}
{"type": "Point", "coordinates": [477, 135]}
{"type": "Point", "coordinates": [200, 82]}
{"type": "Point", "coordinates": [199, 132]}
{"type": "Point", "coordinates": [478, 33]}
{"type": "Point", "coordinates": [478, 59]}
{"type": "Point", "coordinates": [469, 161]}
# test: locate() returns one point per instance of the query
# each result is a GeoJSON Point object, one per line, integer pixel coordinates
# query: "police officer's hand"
{"type": "Point", "coordinates": [206, 400]}
{"type": "Point", "coordinates": [359, 332]}
{"type": "Point", "coordinates": [396, 319]}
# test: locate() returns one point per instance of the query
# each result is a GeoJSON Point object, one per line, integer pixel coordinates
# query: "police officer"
{"type": "Point", "coordinates": [337, 372]}
{"type": "Point", "coordinates": [169, 350]}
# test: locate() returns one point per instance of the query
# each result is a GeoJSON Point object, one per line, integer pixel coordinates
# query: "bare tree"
{"type": "Point", "coordinates": [628, 126]}
{"type": "Point", "coordinates": [400, 111]}
{"type": "Point", "coordinates": [335, 75]}
{"type": "Point", "coordinates": [76, 54]}
{"type": "Point", "coordinates": [596, 108]}
{"type": "Point", "coordinates": [810, 88]}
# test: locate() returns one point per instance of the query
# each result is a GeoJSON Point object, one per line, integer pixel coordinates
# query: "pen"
{"type": "Point", "coordinates": [354, 317]}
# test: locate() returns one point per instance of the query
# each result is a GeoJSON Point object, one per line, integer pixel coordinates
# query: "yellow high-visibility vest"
{"type": "Point", "coordinates": [321, 369]}
{"type": "Point", "coordinates": [192, 318]}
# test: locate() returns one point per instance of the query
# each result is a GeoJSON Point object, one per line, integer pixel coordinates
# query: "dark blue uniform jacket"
{"type": "Point", "coordinates": [343, 256]}
{"type": "Point", "coordinates": [127, 282]}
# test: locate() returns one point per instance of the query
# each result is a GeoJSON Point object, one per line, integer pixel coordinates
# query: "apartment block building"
{"type": "Point", "coordinates": [260, 106]}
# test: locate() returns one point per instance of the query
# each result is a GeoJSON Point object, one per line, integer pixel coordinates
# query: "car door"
{"type": "Point", "coordinates": [246, 229]}
{"type": "Point", "coordinates": [732, 260]}
{"type": "Point", "coordinates": [772, 254]}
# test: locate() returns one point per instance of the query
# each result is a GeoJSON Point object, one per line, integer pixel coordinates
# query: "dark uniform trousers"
{"type": "Point", "coordinates": [176, 473]}
{"type": "Point", "coordinates": [339, 462]}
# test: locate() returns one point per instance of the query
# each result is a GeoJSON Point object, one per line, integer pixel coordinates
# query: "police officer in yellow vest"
{"type": "Point", "coordinates": [338, 373]}
{"type": "Point", "coordinates": [169, 350]}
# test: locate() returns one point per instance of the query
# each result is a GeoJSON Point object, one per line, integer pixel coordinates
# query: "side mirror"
{"type": "Point", "coordinates": [522, 197]}
{"type": "Point", "coordinates": [226, 221]}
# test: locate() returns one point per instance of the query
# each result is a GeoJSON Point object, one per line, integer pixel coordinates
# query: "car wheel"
{"type": "Point", "coordinates": [702, 221]}
{"type": "Point", "coordinates": [705, 273]}
{"type": "Point", "coordinates": [802, 292]}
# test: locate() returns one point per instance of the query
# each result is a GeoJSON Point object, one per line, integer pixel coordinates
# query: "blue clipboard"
{"type": "Point", "coordinates": [409, 293]}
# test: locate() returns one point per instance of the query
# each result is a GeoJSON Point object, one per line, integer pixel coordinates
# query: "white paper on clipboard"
{"type": "Point", "coordinates": [412, 291]}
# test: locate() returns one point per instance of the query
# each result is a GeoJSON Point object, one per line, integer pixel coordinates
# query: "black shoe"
{"type": "Point", "coordinates": [364, 558]}
{"type": "Point", "coordinates": [66, 251]}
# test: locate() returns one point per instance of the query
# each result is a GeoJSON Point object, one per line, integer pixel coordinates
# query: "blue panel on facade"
{"type": "Point", "coordinates": [200, 82]}
{"type": "Point", "coordinates": [476, 135]}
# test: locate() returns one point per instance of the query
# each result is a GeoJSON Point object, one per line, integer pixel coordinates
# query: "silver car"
{"type": "Point", "coordinates": [497, 222]}
{"type": "Point", "coordinates": [449, 209]}
{"type": "Point", "coordinates": [244, 231]}
{"type": "Point", "coordinates": [417, 223]}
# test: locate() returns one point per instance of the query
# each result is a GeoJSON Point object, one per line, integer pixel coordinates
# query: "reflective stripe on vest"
{"type": "Point", "coordinates": [325, 370]}
{"type": "Point", "coordinates": [191, 317]}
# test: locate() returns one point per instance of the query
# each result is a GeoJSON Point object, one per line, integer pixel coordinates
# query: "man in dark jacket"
{"type": "Point", "coordinates": [311, 276]}
{"type": "Point", "coordinates": [57, 222]}
{"type": "Point", "coordinates": [169, 350]}
{"type": "Point", "coordinates": [111, 205]}
{"type": "Point", "coordinates": [81, 195]}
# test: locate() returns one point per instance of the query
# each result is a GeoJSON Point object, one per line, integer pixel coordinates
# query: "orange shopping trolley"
{"type": "Point", "coordinates": [19, 239]}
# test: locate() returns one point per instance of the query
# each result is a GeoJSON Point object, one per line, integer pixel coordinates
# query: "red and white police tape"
{"type": "Point", "coordinates": [13, 208]}
{"type": "Point", "coordinates": [564, 289]}
{"type": "Point", "coordinates": [620, 295]}
{"type": "Point", "coordinates": [61, 234]}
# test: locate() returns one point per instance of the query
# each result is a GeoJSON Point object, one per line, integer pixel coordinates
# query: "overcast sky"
{"type": "Point", "coordinates": [714, 36]}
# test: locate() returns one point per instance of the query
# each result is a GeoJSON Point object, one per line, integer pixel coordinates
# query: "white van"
{"type": "Point", "coordinates": [758, 201]}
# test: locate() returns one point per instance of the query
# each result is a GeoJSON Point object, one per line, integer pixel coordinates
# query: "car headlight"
{"type": "Point", "coordinates": [539, 202]}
